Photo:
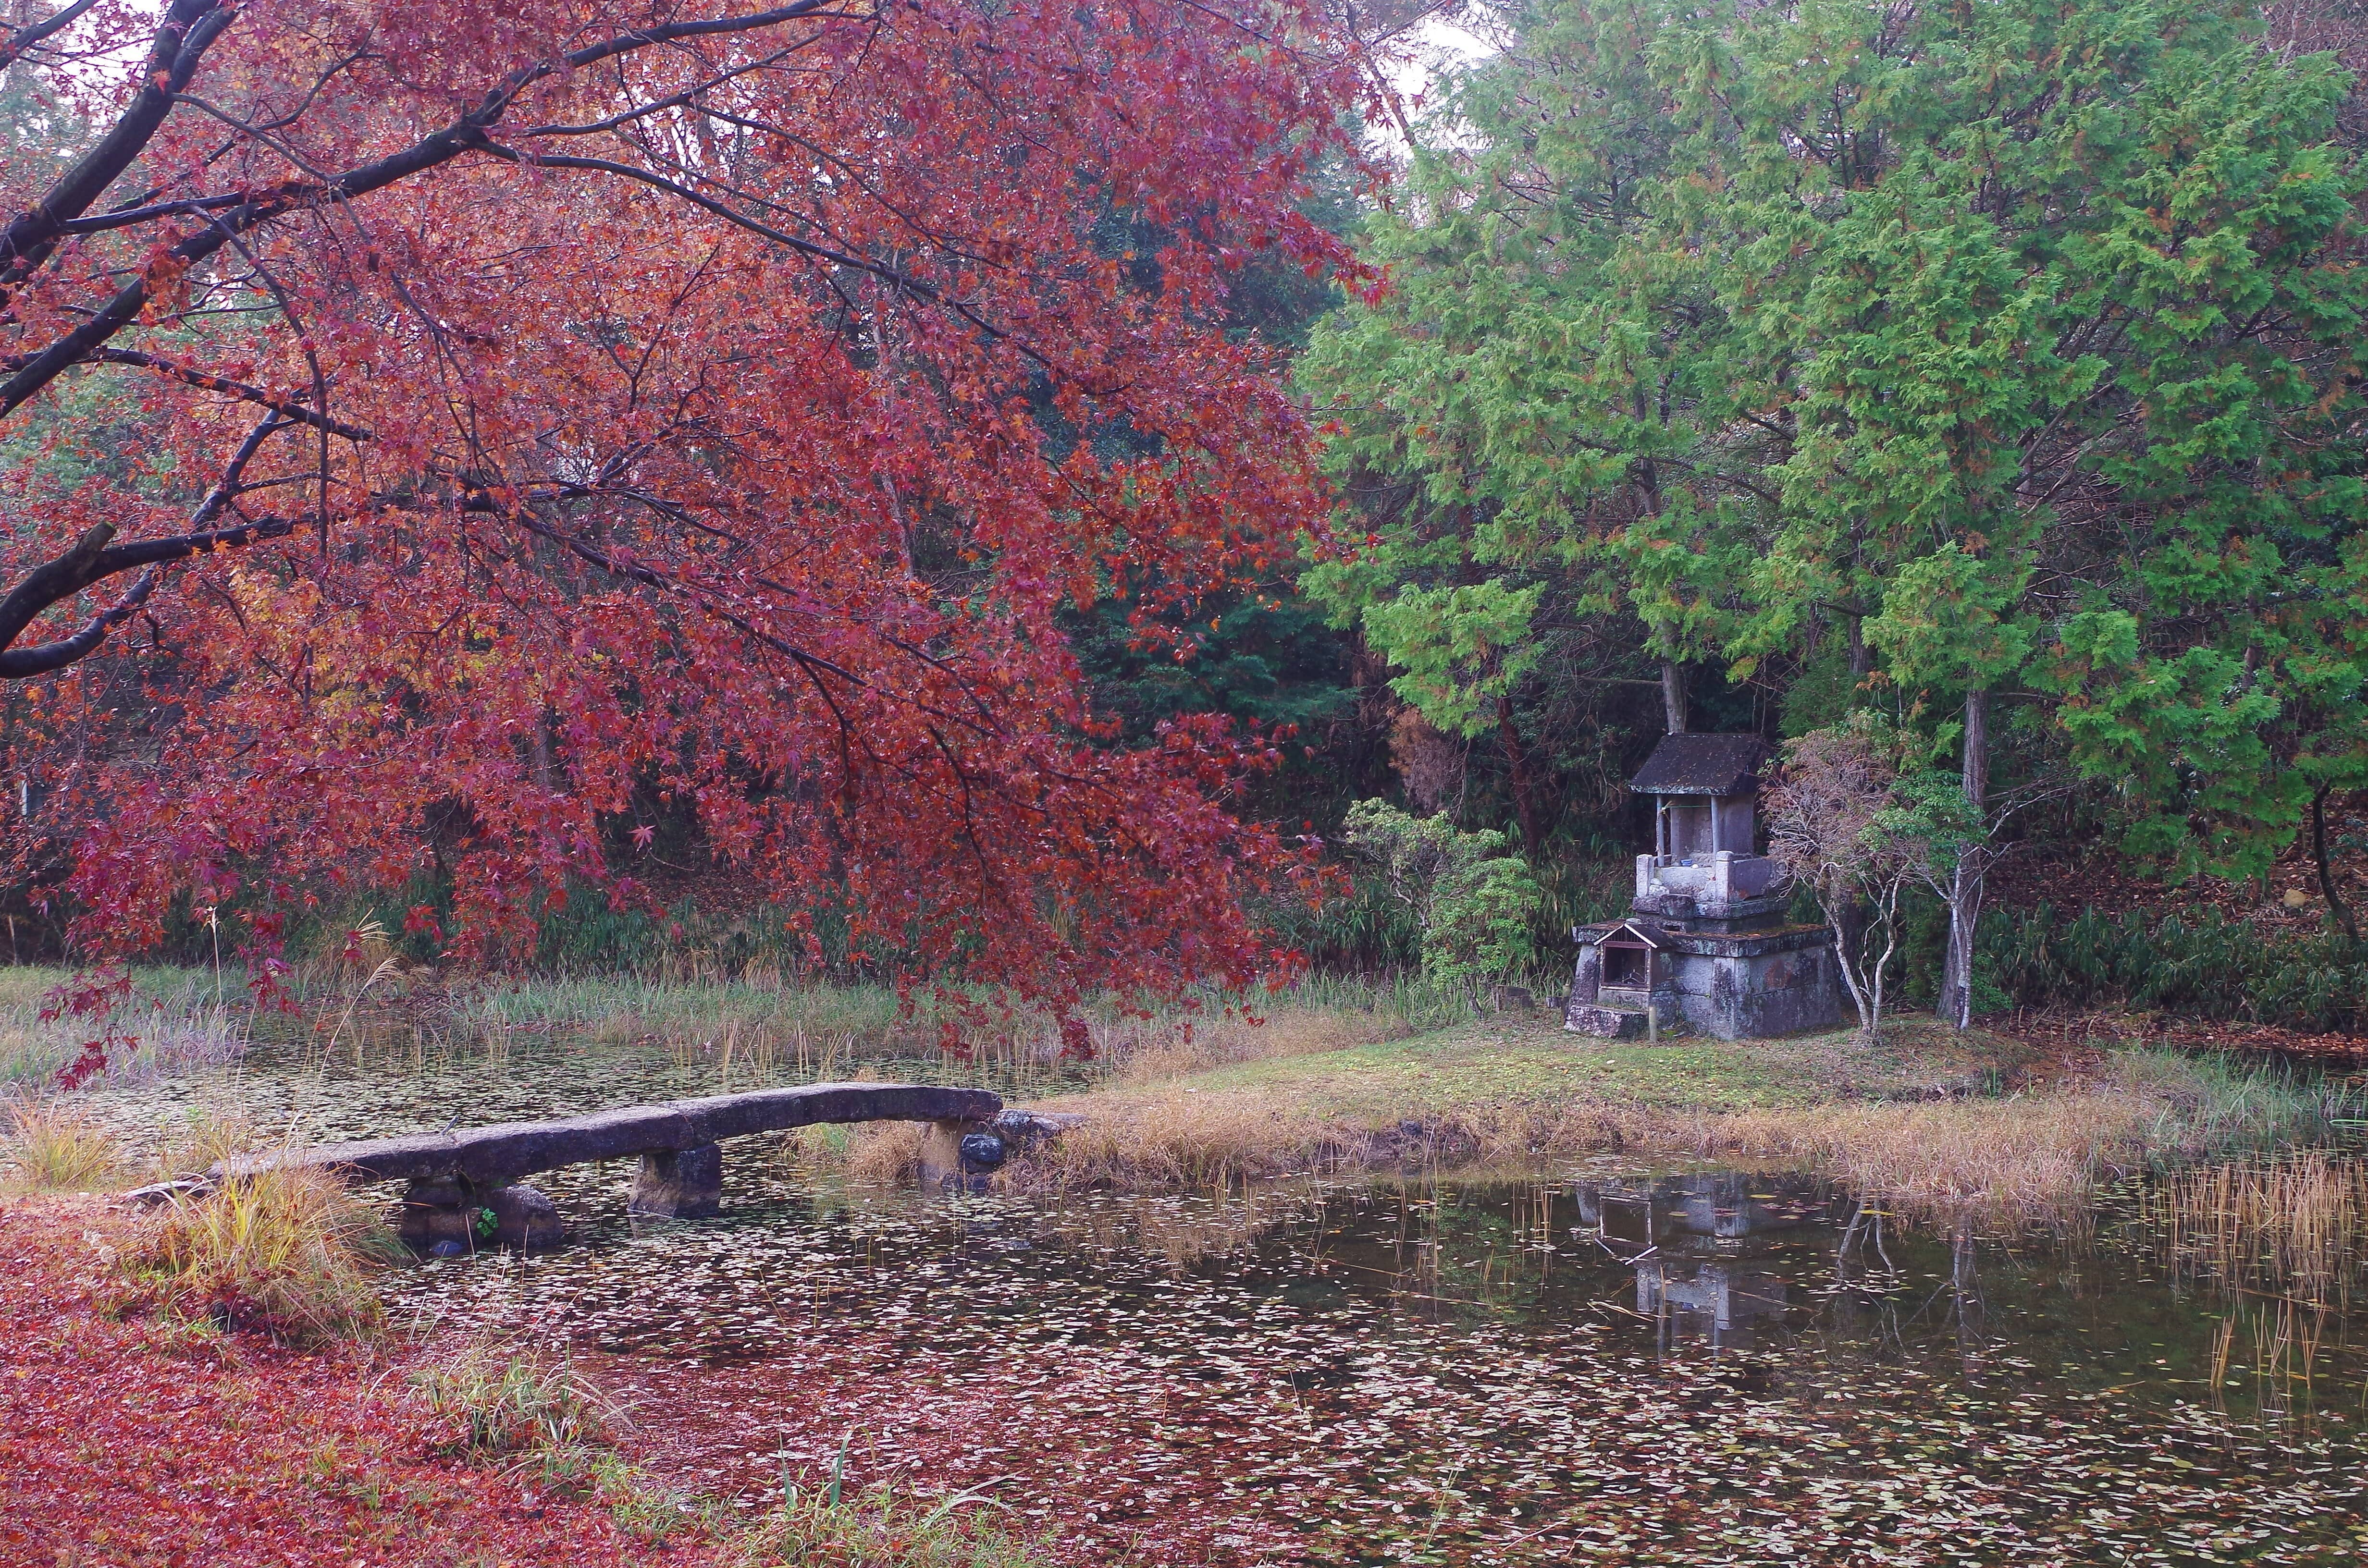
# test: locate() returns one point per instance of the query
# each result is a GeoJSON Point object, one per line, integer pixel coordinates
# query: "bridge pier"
{"type": "Point", "coordinates": [678, 1184]}
{"type": "Point", "coordinates": [452, 1215]}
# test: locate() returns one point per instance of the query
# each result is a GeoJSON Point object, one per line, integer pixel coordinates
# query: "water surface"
{"type": "Point", "coordinates": [1601, 1363]}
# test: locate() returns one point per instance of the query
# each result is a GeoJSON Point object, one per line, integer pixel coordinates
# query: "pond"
{"type": "Point", "coordinates": [1601, 1363]}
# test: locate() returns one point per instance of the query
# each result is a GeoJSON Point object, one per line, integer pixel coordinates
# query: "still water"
{"type": "Point", "coordinates": [1602, 1363]}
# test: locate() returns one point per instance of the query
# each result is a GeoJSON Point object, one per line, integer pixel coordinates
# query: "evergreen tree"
{"type": "Point", "coordinates": [2017, 344]}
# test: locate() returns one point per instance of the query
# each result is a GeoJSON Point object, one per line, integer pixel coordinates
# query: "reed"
{"type": "Point", "coordinates": [2207, 967]}
{"type": "Point", "coordinates": [2293, 1224]}
{"type": "Point", "coordinates": [54, 1145]}
{"type": "Point", "coordinates": [175, 1022]}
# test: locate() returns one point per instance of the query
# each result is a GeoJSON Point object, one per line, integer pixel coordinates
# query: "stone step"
{"type": "Point", "coordinates": [1610, 1023]}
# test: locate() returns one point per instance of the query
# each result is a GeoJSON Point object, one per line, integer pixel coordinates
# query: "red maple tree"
{"type": "Point", "coordinates": [441, 421]}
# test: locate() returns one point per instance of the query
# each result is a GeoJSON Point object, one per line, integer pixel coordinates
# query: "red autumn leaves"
{"type": "Point", "coordinates": [709, 415]}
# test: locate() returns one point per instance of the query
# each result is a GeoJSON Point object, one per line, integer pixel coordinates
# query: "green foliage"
{"type": "Point", "coordinates": [1474, 905]}
{"type": "Point", "coordinates": [1367, 928]}
{"type": "Point", "coordinates": [2020, 340]}
{"type": "Point", "coordinates": [2207, 967]}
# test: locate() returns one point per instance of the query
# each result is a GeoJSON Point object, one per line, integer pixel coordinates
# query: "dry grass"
{"type": "Point", "coordinates": [886, 1152]}
{"type": "Point", "coordinates": [53, 1145]}
{"type": "Point", "coordinates": [2033, 1152]}
{"type": "Point", "coordinates": [291, 1250]}
{"type": "Point", "coordinates": [1150, 1050]}
{"type": "Point", "coordinates": [1185, 1140]}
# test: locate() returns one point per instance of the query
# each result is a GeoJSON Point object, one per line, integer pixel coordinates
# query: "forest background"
{"type": "Point", "coordinates": [1995, 369]}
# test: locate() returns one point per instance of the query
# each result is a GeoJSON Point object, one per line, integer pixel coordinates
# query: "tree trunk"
{"type": "Point", "coordinates": [1673, 695]}
{"type": "Point", "coordinates": [1525, 792]}
{"type": "Point", "coordinates": [1859, 662]}
{"type": "Point", "coordinates": [1956, 999]}
{"type": "Point", "coordinates": [2334, 904]}
{"type": "Point", "coordinates": [545, 774]}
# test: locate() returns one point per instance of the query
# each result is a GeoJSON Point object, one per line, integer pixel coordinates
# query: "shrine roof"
{"type": "Point", "coordinates": [1703, 764]}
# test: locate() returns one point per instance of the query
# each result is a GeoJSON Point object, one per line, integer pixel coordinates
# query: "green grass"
{"type": "Point", "coordinates": [174, 1021]}
{"type": "Point", "coordinates": [1526, 1058]}
{"type": "Point", "coordinates": [503, 1404]}
{"type": "Point", "coordinates": [880, 1528]}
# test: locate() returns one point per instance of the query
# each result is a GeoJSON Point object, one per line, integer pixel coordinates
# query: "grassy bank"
{"type": "Point", "coordinates": [1930, 1114]}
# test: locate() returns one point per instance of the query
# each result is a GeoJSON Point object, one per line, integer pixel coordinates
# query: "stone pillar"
{"type": "Point", "coordinates": [940, 1161]}
{"type": "Point", "coordinates": [524, 1219]}
{"type": "Point", "coordinates": [438, 1217]}
{"type": "Point", "coordinates": [678, 1184]}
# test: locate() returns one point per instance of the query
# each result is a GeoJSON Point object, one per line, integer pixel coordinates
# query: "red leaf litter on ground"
{"type": "Point", "coordinates": [1096, 1456]}
{"type": "Point", "coordinates": [124, 1440]}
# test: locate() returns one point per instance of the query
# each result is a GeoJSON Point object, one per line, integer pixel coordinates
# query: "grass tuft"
{"type": "Point", "coordinates": [205, 1137]}
{"type": "Point", "coordinates": [55, 1146]}
{"type": "Point", "coordinates": [879, 1529]}
{"type": "Point", "coordinates": [502, 1404]}
{"type": "Point", "coordinates": [289, 1251]}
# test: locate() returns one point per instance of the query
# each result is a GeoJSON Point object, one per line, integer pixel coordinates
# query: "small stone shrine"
{"type": "Point", "coordinates": [1706, 945]}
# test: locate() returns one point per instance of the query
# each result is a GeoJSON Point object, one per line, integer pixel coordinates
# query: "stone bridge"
{"type": "Point", "coordinates": [465, 1187]}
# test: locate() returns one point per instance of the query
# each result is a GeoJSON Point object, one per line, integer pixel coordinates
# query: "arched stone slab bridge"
{"type": "Point", "coordinates": [464, 1186]}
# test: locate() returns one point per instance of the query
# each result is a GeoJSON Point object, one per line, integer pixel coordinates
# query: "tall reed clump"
{"type": "Point", "coordinates": [52, 1145]}
{"type": "Point", "coordinates": [289, 1251]}
{"type": "Point", "coordinates": [2294, 1224]}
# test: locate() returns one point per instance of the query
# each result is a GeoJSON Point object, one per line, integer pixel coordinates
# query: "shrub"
{"type": "Point", "coordinates": [1472, 902]}
{"type": "Point", "coordinates": [55, 1146]}
{"type": "Point", "coordinates": [2207, 967]}
{"type": "Point", "coordinates": [289, 1251]}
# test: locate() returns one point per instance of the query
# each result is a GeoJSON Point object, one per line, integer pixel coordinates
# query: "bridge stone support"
{"type": "Point", "coordinates": [678, 1184]}
{"type": "Point", "coordinates": [940, 1159]}
{"type": "Point", "coordinates": [446, 1216]}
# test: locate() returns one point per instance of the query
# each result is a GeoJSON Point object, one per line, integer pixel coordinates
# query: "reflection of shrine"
{"type": "Point", "coordinates": [1692, 1238]}
{"type": "Point", "coordinates": [1716, 1301]}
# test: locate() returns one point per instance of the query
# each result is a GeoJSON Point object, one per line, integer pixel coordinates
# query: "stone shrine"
{"type": "Point", "coordinates": [1706, 945]}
